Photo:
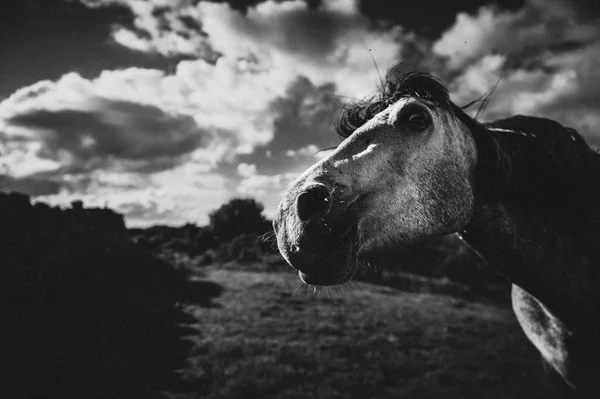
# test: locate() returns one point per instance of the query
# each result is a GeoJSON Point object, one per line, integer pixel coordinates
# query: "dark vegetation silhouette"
{"type": "Point", "coordinates": [237, 217]}
{"type": "Point", "coordinates": [238, 232]}
{"type": "Point", "coordinates": [86, 313]}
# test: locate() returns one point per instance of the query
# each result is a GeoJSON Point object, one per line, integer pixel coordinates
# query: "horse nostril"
{"type": "Point", "coordinates": [313, 201]}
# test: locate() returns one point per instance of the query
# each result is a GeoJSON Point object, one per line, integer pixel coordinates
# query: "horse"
{"type": "Point", "coordinates": [523, 192]}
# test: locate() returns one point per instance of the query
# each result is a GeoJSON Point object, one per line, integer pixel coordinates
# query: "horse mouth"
{"type": "Point", "coordinates": [338, 267]}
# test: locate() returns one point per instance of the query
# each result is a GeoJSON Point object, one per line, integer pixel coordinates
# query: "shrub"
{"type": "Point", "coordinates": [238, 217]}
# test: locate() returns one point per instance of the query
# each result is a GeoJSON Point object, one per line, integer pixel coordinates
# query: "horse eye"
{"type": "Point", "coordinates": [418, 119]}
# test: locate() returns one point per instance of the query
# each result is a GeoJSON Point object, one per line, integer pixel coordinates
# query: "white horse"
{"type": "Point", "coordinates": [524, 192]}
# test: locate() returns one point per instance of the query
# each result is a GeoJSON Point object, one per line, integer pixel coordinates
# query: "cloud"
{"type": "Point", "coordinates": [30, 186]}
{"type": "Point", "coordinates": [168, 28]}
{"type": "Point", "coordinates": [137, 118]}
{"type": "Point", "coordinates": [331, 43]}
{"type": "Point", "coordinates": [310, 150]}
{"type": "Point", "coordinates": [246, 170]}
{"type": "Point", "coordinates": [165, 29]}
{"type": "Point", "coordinates": [131, 135]}
{"type": "Point", "coordinates": [303, 124]}
{"type": "Point", "coordinates": [525, 36]}
{"type": "Point", "coordinates": [544, 56]}
{"type": "Point", "coordinates": [109, 131]}
{"type": "Point", "coordinates": [184, 194]}
{"type": "Point", "coordinates": [568, 96]}
{"type": "Point", "coordinates": [288, 27]}
{"type": "Point", "coordinates": [19, 157]}
{"type": "Point", "coordinates": [266, 187]}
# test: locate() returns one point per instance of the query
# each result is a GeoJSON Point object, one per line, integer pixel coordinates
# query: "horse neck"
{"type": "Point", "coordinates": [536, 219]}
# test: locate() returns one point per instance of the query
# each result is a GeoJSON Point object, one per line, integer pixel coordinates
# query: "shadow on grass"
{"type": "Point", "coordinates": [66, 344]}
{"type": "Point", "coordinates": [201, 292]}
{"type": "Point", "coordinates": [47, 354]}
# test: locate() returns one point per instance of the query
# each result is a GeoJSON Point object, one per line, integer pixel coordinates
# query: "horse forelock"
{"type": "Point", "coordinates": [397, 85]}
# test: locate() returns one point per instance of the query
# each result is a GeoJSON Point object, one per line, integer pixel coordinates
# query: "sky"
{"type": "Point", "coordinates": [165, 109]}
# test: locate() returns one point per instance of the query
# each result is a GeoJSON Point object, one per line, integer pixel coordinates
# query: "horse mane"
{"type": "Point", "coordinates": [546, 152]}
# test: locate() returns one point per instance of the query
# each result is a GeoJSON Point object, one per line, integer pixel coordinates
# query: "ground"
{"type": "Point", "coordinates": [266, 337]}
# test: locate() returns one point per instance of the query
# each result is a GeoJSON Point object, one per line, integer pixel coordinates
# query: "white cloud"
{"type": "Point", "coordinates": [20, 159]}
{"type": "Point", "coordinates": [218, 102]}
{"type": "Point", "coordinates": [568, 95]}
{"type": "Point", "coordinates": [159, 32]}
{"type": "Point", "coordinates": [473, 36]}
{"type": "Point", "coordinates": [309, 151]}
{"type": "Point", "coordinates": [131, 178]}
{"type": "Point", "coordinates": [130, 40]}
{"type": "Point", "coordinates": [185, 194]}
{"type": "Point", "coordinates": [545, 57]}
{"type": "Point", "coordinates": [266, 187]}
{"type": "Point", "coordinates": [246, 170]}
{"type": "Point", "coordinates": [332, 44]}
{"type": "Point", "coordinates": [278, 39]}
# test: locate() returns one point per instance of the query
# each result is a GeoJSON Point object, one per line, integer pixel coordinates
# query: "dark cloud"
{"type": "Point", "coordinates": [428, 18]}
{"type": "Point", "coordinates": [564, 27]}
{"type": "Point", "coordinates": [43, 39]}
{"type": "Point", "coordinates": [527, 37]}
{"type": "Point", "coordinates": [144, 135]}
{"type": "Point", "coordinates": [585, 86]}
{"type": "Point", "coordinates": [308, 31]}
{"type": "Point", "coordinates": [242, 5]}
{"type": "Point", "coordinates": [305, 117]}
{"type": "Point", "coordinates": [147, 212]}
{"type": "Point", "coordinates": [29, 185]}
{"type": "Point", "coordinates": [578, 105]}
{"type": "Point", "coordinates": [585, 10]}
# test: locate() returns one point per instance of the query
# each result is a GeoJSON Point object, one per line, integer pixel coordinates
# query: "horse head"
{"type": "Point", "coordinates": [403, 172]}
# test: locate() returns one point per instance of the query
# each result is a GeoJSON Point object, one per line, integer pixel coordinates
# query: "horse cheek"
{"type": "Point", "coordinates": [450, 198]}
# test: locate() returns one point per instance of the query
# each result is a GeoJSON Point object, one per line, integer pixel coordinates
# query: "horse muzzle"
{"type": "Point", "coordinates": [314, 232]}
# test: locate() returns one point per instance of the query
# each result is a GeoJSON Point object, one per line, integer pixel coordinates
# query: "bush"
{"type": "Point", "coordinates": [239, 216]}
{"type": "Point", "coordinates": [247, 255]}
{"type": "Point", "coordinates": [203, 240]}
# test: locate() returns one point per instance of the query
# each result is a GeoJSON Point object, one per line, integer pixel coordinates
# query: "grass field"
{"type": "Point", "coordinates": [261, 339]}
